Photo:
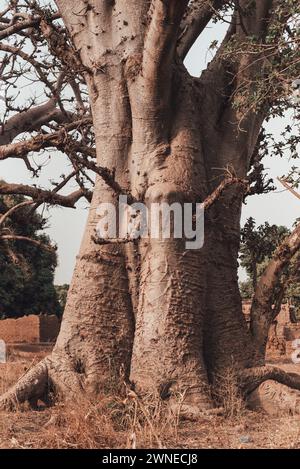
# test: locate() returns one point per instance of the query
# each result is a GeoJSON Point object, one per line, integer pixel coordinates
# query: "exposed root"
{"type": "Point", "coordinates": [275, 399]}
{"type": "Point", "coordinates": [272, 389]}
{"type": "Point", "coordinates": [266, 387]}
{"type": "Point", "coordinates": [53, 375]}
{"type": "Point", "coordinates": [32, 386]}
{"type": "Point", "coordinates": [64, 380]}
{"type": "Point", "coordinates": [251, 378]}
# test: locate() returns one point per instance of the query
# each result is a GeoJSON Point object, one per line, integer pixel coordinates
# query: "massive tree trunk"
{"type": "Point", "coordinates": [170, 317]}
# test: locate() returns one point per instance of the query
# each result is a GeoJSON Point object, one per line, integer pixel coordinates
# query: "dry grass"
{"type": "Point", "coordinates": [19, 360]}
{"type": "Point", "coordinates": [128, 422]}
{"type": "Point", "coordinates": [227, 394]}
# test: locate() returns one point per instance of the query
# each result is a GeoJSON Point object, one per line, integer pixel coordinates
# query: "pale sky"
{"type": "Point", "coordinates": [66, 225]}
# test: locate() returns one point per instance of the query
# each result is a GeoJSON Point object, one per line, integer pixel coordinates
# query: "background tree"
{"type": "Point", "coordinates": [62, 292]}
{"type": "Point", "coordinates": [119, 103]}
{"type": "Point", "coordinates": [27, 262]}
{"type": "Point", "coordinates": [258, 245]}
{"type": "Point", "coordinates": [246, 289]}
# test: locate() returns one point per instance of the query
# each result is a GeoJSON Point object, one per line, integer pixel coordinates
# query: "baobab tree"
{"type": "Point", "coordinates": [122, 105]}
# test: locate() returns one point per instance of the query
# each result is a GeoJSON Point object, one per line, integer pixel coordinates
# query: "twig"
{"type": "Point", "coordinates": [289, 188]}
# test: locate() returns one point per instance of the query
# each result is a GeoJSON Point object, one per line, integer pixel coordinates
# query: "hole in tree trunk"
{"type": "Point", "coordinates": [79, 367]}
{"type": "Point", "coordinates": [165, 390]}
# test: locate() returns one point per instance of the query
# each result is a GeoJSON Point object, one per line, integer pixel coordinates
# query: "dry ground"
{"type": "Point", "coordinates": [117, 422]}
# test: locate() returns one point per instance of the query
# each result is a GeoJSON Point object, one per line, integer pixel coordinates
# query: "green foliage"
{"type": "Point", "coordinates": [26, 270]}
{"type": "Point", "coordinates": [246, 289]}
{"type": "Point", "coordinates": [269, 86]}
{"type": "Point", "coordinates": [62, 292]}
{"type": "Point", "coordinates": [258, 244]}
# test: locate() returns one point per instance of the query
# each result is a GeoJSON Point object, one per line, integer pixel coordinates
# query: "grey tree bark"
{"type": "Point", "coordinates": [171, 318]}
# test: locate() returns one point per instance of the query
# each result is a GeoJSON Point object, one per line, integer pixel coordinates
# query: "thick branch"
{"type": "Point", "coordinates": [40, 195]}
{"type": "Point", "coordinates": [30, 120]}
{"type": "Point", "coordinates": [227, 182]}
{"type": "Point", "coordinates": [13, 209]}
{"type": "Point", "coordinates": [161, 38]}
{"type": "Point", "coordinates": [25, 24]}
{"type": "Point", "coordinates": [252, 378]}
{"type": "Point", "coordinates": [198, 15]}
{"type": "Point", "coordinates": [238, 73]}
{"type": "Point", "coordinates": [253, 22]}
{"type": "Point", "coordinates": [59, 46]}
{"type": "Point", "coordinates": [55, 139]}
{"type": "Point", "coordinates": [289, 188]}
{"type": "Point", "coordinates": [27, 240]}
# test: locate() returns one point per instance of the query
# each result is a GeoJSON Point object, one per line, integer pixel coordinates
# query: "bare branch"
{"type": "Point", "coordinates": [107, 175]}
{"type": "Point", "coordinates": [13, 209]}
{"type": "Point", "coordinates": [30, 120]}
{"type": "Point", "coordinates": [59, 46]}
{"type": "Point", "coordinates": [55, 139]}
{"type": "Point", "coordinates": [28, 240]}
{"type": "Point", "coordinates": [41, 69]}
{"type": "Point", "coordinates": [57, 189]}
{"type": "Point", "coordinates": [40, 195]}
{"type": "Point", "coordinates": [227, 182]}
{"type": "Point", "coordinates": [289, 188]}
{"type": "Point", "coordinates": [25, 24]}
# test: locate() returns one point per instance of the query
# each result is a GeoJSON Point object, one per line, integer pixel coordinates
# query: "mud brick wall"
{"type": "Point", "coordinates": [25, 329]}
{"type": "Point", "coordinates": [29, 329]}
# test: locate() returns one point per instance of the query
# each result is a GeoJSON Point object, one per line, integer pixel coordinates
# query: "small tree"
{"type": "Point", "coordinates": [62, 292]}
{"type": "Point", "coordinates": [257, 246]}
{"type": "Point", "coordinates": [27, 261]}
